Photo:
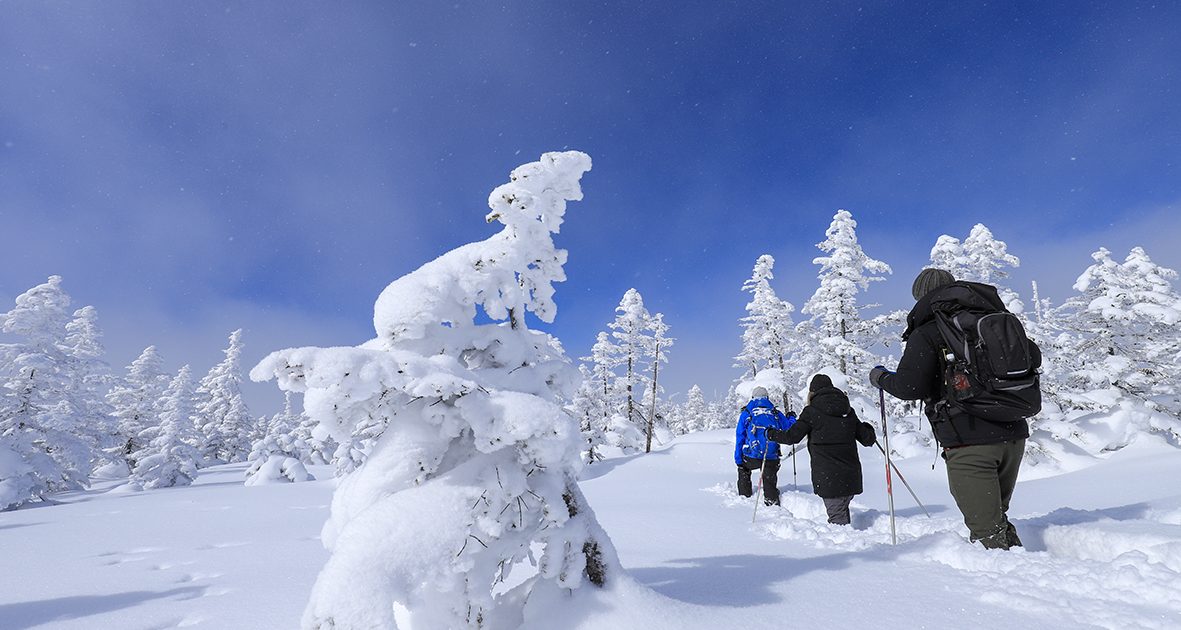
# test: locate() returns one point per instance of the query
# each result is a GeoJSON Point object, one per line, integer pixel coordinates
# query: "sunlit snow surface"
{"type": "Point", "coordinates": [1103, 549]}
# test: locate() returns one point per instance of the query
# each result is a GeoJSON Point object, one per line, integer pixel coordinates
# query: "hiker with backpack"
{"type": "Point", "coordinates": [833, 431]}
{"type": "Point", "coordinates": [968, 359]}
{"type": "Point", "coordinates": [753, 451]}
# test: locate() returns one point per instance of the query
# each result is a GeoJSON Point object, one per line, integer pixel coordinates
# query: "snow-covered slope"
{"type": "Point", "coordinates": [1103, 549]}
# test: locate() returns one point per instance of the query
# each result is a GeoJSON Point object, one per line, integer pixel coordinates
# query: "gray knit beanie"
{"type": "Point", "coordinates": [928, 280]}
{"type": "Point", "coordinates": [759, 392]}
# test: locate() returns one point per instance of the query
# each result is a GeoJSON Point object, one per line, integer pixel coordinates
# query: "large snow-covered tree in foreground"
{"type": "Point", "coordinates": [474, 472]}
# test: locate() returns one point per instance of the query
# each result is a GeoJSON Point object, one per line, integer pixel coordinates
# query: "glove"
{"type": "Point", "coordinates": [876, 374]}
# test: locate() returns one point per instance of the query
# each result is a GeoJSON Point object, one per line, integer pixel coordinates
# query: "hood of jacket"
{"type": "Point", "coordinates": [829, 400]}
{"type": "Point", "coordinates": [974, 296]}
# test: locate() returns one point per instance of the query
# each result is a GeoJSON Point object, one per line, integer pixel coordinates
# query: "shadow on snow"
{"type": "Point", "coordinates": [24, 615]}
{"type": "Point", "coordinates": [737, 580]}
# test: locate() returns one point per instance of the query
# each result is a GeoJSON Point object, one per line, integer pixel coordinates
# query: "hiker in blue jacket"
{"type": "Point", "coordinates": [752, 449]}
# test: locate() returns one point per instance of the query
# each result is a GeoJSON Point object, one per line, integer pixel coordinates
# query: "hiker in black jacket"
{"type": "Point", "coordinates": [833, 430]}
{"type": "Point", "coordinates": [982, 456]}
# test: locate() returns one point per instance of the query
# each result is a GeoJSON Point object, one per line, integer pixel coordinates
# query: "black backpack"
{"type": "Point", "coordinates": [990, 369]}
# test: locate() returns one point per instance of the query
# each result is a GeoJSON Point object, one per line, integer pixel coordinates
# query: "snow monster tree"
{"type": "Point", "coordinates": [472, 473]}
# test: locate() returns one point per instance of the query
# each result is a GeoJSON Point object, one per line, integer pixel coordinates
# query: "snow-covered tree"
{"type": "Point", "coordinates": [476, 449]}
{"type": "Point", "coordinates": [169, 458]}
{"type": "Point", "coordinates": [92, 378]}
{"type": "Point", "coordinates": [767, 330]}
{"type": "Point", "coordinates": [134, 399]}
{"type": "Point", "coordinates": [318, 445]}
{"type": "Point", "coordinates": [606, 394]}
{"type": "Point", "coordinates": [223, 423]}
{"type": "Point", "coordinates": [837, 325]}
{"type": "Point", "coordinates": [1124, 342]}
{"type": "Point", "coordinates": [592, 414]}
{"type": "Point", "coordinates": [986, 256]}
{"type": "Point", "coordinates": [658, 343]}
{"type": "Point", "coordinates": [979, 258]}
{"type": "Point", "coordinates": [948, 255]}
{"type": "Point", "coordinates": [44, 446]}
{"type": "Point", "coordinates": [630, 331]}
{"type": "Point", "coordinates": [724, 412]}
{"type": "Point", "coordinates": [694, 413]}
{"type": "Point", "coordinates": [279, 454]}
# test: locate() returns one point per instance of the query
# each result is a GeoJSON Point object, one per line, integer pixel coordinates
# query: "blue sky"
{"type": "Point", "coordinates": [191, 168]}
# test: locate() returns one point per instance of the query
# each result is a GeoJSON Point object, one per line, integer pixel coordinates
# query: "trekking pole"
{"type": "Point", "coordinates": [793, 470]}
{"type": "Point", "coordinates": [903, 479]}
{"type": "Point", "coordinates": [787, 403]}
{"type": "Point", "coordinates": [759, 489]}
{"type": "Point", "coordinates": [886, 452]}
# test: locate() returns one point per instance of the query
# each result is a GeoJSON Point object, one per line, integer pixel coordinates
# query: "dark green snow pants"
{"type": "Point", "coordinates": [981, 478]}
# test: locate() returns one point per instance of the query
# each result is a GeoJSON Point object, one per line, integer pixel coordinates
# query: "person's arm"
{"type": "Point", "coordinates": [917, 373]}
{"type": "Point", "coordinates": [795, 433]}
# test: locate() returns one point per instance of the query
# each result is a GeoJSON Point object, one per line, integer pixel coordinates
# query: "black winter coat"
{"type": "Point", "coordinates": [833, 430]}
{"type": "Point", "coordinates": [919, 375]}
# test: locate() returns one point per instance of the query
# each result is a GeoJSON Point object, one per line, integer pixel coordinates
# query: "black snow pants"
{"type": "Point", "coordinates": [770, 479]}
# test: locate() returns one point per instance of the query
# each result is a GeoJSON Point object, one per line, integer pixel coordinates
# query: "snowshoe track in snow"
{"type": "Point", "coordinates": [1117, 568]}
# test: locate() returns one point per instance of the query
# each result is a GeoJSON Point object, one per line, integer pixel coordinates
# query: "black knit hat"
{"type": "Point", "coordinates": [928, 280]}
{"type": "Point", "coordinates": [820, 381]}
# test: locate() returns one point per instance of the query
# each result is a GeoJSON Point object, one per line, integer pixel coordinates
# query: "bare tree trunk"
{"type": "Point", "coordinates": [652, 413]}
{"type": "Point", "coordinates": [844, 335]}
{"type": "Point", "coordinates": [631, 403]}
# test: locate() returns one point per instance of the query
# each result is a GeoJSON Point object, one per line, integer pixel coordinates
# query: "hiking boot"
{"type": "Point", "coordinates": [997, 540]}
{"type": "Point", "coordinates": [1011, 534]}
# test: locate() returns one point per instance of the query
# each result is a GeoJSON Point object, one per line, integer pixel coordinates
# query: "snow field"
{"type": "Point", "coordinates": [1102, 547]}
{"type": "Point", "coordinates": [215, 555]}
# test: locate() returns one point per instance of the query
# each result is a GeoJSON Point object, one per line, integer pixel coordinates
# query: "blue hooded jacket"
{"type": "Point", "coordinates": [750, 438]}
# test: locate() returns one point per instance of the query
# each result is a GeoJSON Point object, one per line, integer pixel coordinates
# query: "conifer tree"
{"type": "Point", "coordinates": [630, 331]}
{"type": "Point", "coordinates": [658, 344]}
{"type": "Point", "coordinates": [948, 255]}
{"type": "Point", "coordinates": [278, 455]}
{"type": "Point", "coordinates": [1125, 338]}
{"type": "Point", "coordinates": [979, 258]}
{"type": "Point", "coordinates": [840, 337]}
{"type": "Point", "coordinates": [91, 378]}
{"type": "Point", "coordinates": [134, 399]}
{"type": "Point", "coordinates": [319, 447]}
{"type": "Point", "coordinates": [169, 458]}
{"type": "Point", "coordinates": [224, 424]}
{"type": "Point", "coordinates": [44, 447]}
{"type": "Point", "coordinates": [767, 329]}
{"type": "Point", "coordinates": [694, 412]}
{"type": "Point", "coordinates": [590, 408]}
{"type": "Point", "coordinates": [476, 447]}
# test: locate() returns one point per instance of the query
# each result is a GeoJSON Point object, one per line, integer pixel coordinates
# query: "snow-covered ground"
{"type": "Point", "coordinates": [1103, 549]}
